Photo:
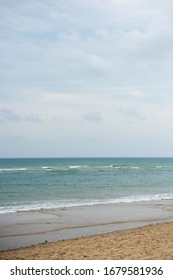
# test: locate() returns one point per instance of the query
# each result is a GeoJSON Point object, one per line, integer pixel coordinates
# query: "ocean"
{"type": "Point", "coordinates": [45, 183]}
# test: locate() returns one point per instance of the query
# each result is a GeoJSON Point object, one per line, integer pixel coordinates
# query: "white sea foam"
{"type": "Point", "coordinates": [75, 166]}
{"type": "Point", "coordinates": [47, 168]}
{"type": "Point", "coordinates": [76, 203]}
{"type": "Point", "coordinates": [12, 169]}
{"type": "Point", "coordinates": [135, 167]}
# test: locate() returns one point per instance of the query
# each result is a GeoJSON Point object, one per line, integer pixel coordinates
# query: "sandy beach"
{"type": "Point", "coordinates": [151, 242]}
{"type": "Point", "coordinates": [142, 230]}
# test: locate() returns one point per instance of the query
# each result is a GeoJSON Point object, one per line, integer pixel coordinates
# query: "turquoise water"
{"type": "Point", "coordinates": [28, 184]}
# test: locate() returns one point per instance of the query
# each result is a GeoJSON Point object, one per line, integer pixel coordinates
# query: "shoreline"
{"type": "Point", "coordinates": [29, 228]}
{"type": "Point", "coordinates": [151, 242]}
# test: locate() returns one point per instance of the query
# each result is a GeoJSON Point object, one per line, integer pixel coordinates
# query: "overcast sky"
{"type": "Point", "coordinates": [86, 78]}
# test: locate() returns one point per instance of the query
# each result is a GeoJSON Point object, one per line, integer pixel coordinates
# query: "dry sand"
{"type": "Point", "coordinates": [152, 242]}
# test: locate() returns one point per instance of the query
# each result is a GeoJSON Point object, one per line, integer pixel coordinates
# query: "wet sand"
{"type": "Point", "coordinates": [153, 242]}
{"type": "Point", "coordinates": [125, 239]}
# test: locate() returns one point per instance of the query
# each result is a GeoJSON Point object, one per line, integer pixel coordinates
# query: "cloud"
{"type": "Point", "coordinates": [7, 114]}
{"type": "Point", "coordinates": [93, 116]}
{"type": "Point", "coordinates": [132, 113]}
{"type": "Point", "coordinates": [117, 46]}
{"type": "Point", "coordinates": [32, 119]}
{"type": "Point", "coordinates": [100, 61]}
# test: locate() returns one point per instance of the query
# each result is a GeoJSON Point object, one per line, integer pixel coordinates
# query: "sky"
{"type": "Point", "coordinates": [88, 78]}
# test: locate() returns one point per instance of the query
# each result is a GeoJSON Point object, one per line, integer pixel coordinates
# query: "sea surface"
{"type": "Point", "coordinates": [30, 184]}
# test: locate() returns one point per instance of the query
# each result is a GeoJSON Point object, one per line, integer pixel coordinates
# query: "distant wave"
{"type": "Point", "coordinates": [46, 167]}
{"type": "Point", "coordinates": [54, 169]}
{"type": "Point", "coordinates": [88, 168]}
{"type": "Point", "coordinates": [75, 166]}
{"type": "Point", "coordinates": [12, 169]}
